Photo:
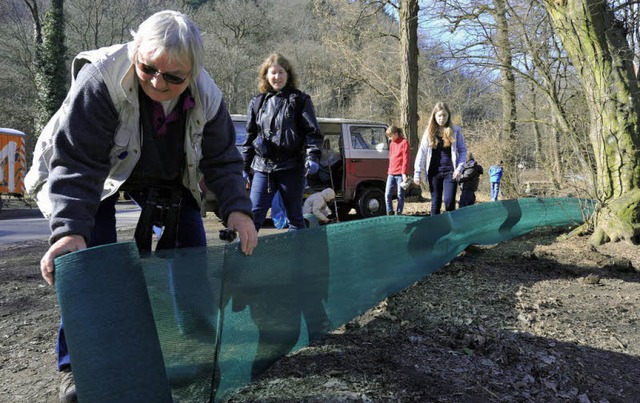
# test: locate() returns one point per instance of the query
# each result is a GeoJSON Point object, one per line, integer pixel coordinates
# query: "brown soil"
{"type": "Point", "coordinates": [537, 319]}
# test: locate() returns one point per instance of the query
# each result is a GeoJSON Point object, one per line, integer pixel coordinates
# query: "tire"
{"type": "Point", "coordinates": [371, 203]}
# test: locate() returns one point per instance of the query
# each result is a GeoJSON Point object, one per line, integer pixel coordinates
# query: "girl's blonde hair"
{"type": "Point", "coordinates": [394, 129]}
{"type": "Point", "coordinates": [272, 59]}
{"type": "Point", "coordinates": [433, 128]}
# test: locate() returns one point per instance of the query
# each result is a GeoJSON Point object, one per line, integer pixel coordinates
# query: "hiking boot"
{"type": "Point", "coordinates": [67, 387]}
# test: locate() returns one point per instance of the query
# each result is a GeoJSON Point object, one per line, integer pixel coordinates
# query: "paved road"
{"type": "Point", "coordinates": [30, 228]}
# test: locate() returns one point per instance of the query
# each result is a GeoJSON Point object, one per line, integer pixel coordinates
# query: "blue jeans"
{"type": "Point", "coordinates": [495, 190]}
{"type": "Point", "coordinates": [190, 234]}
{"type": "Point", "coordinates": [394, 180]}
{"type": "Point", "coordinates": [290, 184]}
{"type": "Point", "coordinates": [442, 186]}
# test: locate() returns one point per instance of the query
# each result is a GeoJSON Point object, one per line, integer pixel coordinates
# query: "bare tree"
{"type": "Point", "coordinates": [486, 24]}
{"type": "Point", "coordinates": [596, 42]}
{"type": "Point", "coordinates": [17, 46]}
{"type": "Point", "coordinates": [92, 24]}
{"type": "Point", "coordinates": [363, 41]}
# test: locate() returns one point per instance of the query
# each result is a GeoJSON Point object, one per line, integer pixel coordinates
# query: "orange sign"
{"type": "Point", "coordinates": [13, 163]}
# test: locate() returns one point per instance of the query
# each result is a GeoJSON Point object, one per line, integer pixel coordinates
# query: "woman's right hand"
{"type": "Point", "coordinates": [64, 245]}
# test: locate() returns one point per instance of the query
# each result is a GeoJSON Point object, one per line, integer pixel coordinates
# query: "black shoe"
{"type": "Point", "coordinates": [67, 387]}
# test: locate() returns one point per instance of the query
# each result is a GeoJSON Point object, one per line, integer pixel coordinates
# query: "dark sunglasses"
{"type": "Point", "coordinates": [152, 71]}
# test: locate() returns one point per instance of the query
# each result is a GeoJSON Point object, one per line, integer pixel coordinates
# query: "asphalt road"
{"type": "Point", "coordinates": [31, 225]}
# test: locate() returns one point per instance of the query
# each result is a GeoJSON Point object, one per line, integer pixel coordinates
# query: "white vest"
{"type": "Point", "coordinates": [119, 76]}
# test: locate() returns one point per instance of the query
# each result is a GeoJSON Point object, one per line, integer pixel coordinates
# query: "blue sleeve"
{"type": "Point", "coordinates": [80, 161]}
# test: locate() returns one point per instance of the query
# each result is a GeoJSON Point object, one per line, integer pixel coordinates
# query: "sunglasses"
{"type": "Point", "coordinates": [152, 71]}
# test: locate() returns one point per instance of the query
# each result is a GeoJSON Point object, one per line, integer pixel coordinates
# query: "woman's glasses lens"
{"type": "Point", "coordinates": [170, 78]}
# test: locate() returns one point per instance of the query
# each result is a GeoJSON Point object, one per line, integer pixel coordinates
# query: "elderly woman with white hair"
{"type": "Point", "coordinates": [145, 118]}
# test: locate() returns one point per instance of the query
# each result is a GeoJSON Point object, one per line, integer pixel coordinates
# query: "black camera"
{"type": "Point", "coordinates": [227, 235]}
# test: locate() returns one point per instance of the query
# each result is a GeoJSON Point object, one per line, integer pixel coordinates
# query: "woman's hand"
{"type": "Point", "coordinates": [64, 245]}
{"type": "Point", "coordinates": [243, 225]}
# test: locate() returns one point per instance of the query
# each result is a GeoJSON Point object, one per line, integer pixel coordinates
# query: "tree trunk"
{"type": "Point", "coordinates": [507, 78]}
{"type": "Point", "coordinates": [595, 42]}
{"type": "Point", "coordinates": [409, 70]}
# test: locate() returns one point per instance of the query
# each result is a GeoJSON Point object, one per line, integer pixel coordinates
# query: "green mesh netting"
{"type": "Point", "coordinates": [193, 325]}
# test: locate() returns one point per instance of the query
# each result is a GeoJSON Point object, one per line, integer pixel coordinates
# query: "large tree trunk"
{"type": "Point", "coordinates": [595, 42]}
{"type": "Point", "coordinates": [409, 69]}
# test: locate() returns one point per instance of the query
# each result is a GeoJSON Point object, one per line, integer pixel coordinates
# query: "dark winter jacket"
{"type": "Point", "coordinates": [282, 130]}
{"type": "Point", "coordinates": [470, 177]}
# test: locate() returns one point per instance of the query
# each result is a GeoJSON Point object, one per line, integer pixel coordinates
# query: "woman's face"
{"type": "Point", "coordinates": [442, 117]}
{"type": "Point", "coordinates": [159, 78]}
{"type": "Point", "coordinates": [277, 77]}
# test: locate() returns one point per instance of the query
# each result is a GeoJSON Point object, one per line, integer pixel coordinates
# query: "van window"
{"type": "Point", "coordinates": [368, 138]}
{"type": "Point", "coordinates": [241, 132]}
{"type": "Point", "coordinates": [330, 149]}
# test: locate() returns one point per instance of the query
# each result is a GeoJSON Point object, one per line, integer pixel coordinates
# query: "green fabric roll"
{"type": "Point", "coordinates": [109, 327]}
{"type": "Point", "coordinates": [219, 310]}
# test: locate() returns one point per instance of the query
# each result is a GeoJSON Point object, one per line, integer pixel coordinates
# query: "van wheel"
{"type": "Point", "coordinates": [371, 203]}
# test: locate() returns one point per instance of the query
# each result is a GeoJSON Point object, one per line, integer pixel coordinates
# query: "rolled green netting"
{"type": "Point", "coordinates": [206, 321]}
{"type": "Point", "coordinates": [109, 326]}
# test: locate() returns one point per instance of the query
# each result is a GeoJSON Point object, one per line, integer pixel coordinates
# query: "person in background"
{"type": "Point", "coordinates": [399, 158]}
{"type": "Point", "coordinates": [495, 176]}
{"type": "Point", "coordinates": [441, 158]}
{"type": "Point", "coordinates": [283, 142]}
{"type": "Point", "coordinates": [469, 180]}
{"type": "Point", "coordinates": [318, 205]}
{"type": "Point", "coordinates": [142, 117]}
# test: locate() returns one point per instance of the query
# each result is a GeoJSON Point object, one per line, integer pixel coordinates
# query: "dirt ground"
{"type": "Point", "coordinates": [538, 318]}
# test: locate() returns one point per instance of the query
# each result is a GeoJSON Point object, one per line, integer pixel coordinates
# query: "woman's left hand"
{"type": "Point", "coordinates": [246, 229]}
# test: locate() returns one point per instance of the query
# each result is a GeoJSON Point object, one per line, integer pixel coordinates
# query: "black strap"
{"type": "Point", "coordinates": [257, 104]}
{"type": "Point", "coordinates": [171, 218]}
{"type": "Point", "coordinates": [162, 209]}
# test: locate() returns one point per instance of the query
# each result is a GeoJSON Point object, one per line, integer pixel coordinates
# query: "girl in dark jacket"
{"type": "Point", "coordinates": [283, 141]}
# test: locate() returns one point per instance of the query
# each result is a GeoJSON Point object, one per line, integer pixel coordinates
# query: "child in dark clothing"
{"type": "Point", "coordinates": [469, 180]}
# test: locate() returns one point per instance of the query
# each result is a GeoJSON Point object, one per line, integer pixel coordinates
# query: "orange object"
{"type": "Point", "coordinates": [13, 162]}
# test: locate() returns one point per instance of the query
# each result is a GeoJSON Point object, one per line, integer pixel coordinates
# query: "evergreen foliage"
{"type": "Point", "coordinates": [50, 65]}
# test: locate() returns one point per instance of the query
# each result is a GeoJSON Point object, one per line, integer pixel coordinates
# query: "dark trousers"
{"type": "Point", "coordinates": [442, 187]}
{"type": "Point", "coordinates": [190, 234]}
{"type": "Point", "coordinates": [467, 197]}
{"type": "Point", "coordinates": [290, 184]}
